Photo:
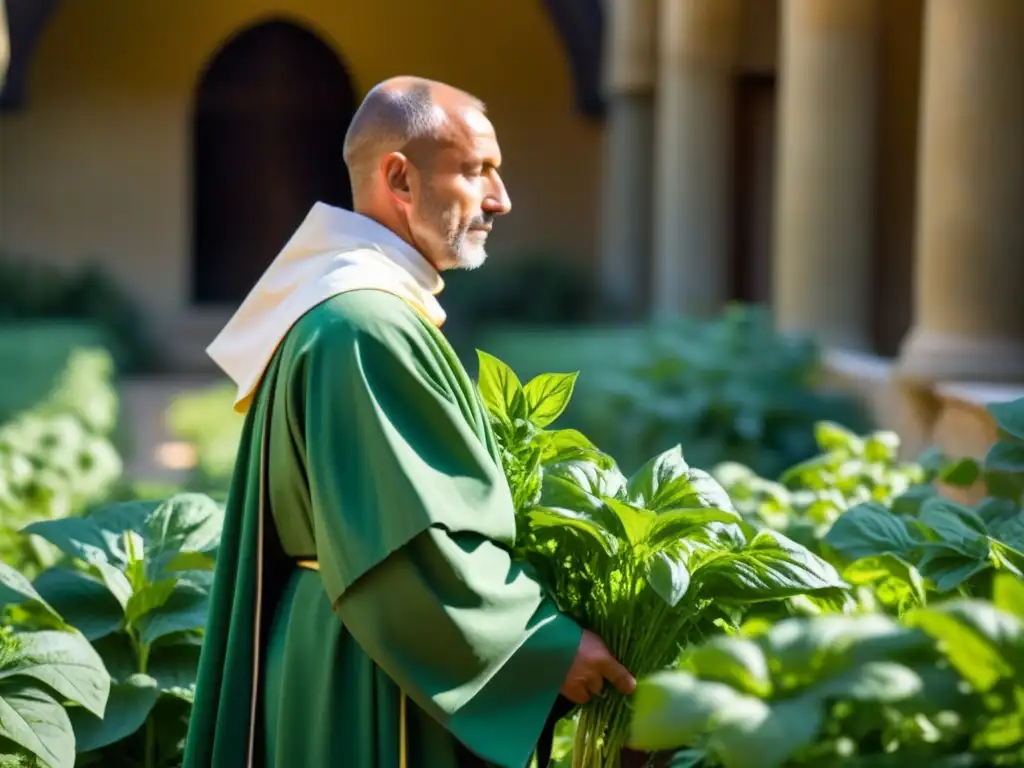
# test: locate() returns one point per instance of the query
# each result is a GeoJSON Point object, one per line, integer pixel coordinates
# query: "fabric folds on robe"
{"type": "Point", "coordinates": [383, 467]}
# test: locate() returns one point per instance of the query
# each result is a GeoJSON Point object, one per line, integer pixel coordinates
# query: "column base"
{"type": "Point", "coordinates": [928, 355]}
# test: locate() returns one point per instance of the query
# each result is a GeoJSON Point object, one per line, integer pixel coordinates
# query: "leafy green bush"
{"type": "Point", "coordinates": [57, 458]}
{"type": "Point", "coordinates": [943, 686]}
{"type": "Point", "coordinates": [729, 390]}
{"type": "Point", "coordinates": [46, 676]}
{"type": "Point", "coordinates": [539, 287]}
{"type": "Point", "coordinates": [135, 582]}
{"type": "Point", "coordinates": [32, 290]}
{"type": "Point", "coordinates": [886, 523]}
{"type": "Point", "coordinates": [939, 679]}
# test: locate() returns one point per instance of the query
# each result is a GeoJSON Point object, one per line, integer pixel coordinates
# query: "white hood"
{"type": "Point", "coordinates": [332, 252]}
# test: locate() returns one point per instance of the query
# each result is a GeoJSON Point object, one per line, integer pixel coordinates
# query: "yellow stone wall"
{"type": "Point", "coordinates": [98, 165]}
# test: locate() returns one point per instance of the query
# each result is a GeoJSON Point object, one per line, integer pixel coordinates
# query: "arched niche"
{"type": "Point", "coordinates": [269, 120]}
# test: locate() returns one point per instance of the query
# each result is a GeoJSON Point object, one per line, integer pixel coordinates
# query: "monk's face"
{"type": "Point", "coordinates": [459, 194]}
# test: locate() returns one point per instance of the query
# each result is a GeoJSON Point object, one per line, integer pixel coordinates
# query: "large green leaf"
{"type": "Point", "coordinates": [648, 481]}
{"type": "Point", "coordinates": [590, 477]}
{"type": "Point", "coordinates": [1005, 458]}
{"type": "Point", "coordinates": [896, 582]}
{"type": "Point", "coordinates": [1009, 417]}
{"type": "Point", "coordinates": [804, 651]}
{"type": "Point", "coordinates": [81, 538]}
{"type": "Point", "coordinates": [569, 444]}
{"type": "Point", "coordinates": [755, 733]}
{"type": "Point", "coordinates": [736, 661]}
{"type": "Point", "coordinates": [174, 666]}
{"type": "Point", "coordinates": [565, 520]}
{"type": "Point", "coordinates": [634, 521]}
{"type": "Point", "coordinates": [84, 601]}
{"type": "Point", "coordinates": [500, 389]}
{"type": "Point", "coordinates": [1003, 519]}
{"type": "Point", "coordinates": [667, 575]}
{"type": "Point", "coordinates": [693, 488]}
{"type": "Point", "coordinates": [677, 709]}
{"type": "Point", "coordinates": [1008, 595]}
{"type": "Point", "coordinates": [884, 682]}
{"type": "Point", "coordinates": [67, 663]}
{"type": "Point", "coordinates": [148, 599]}
{"type": "Point", "coordinates": [560, 488]}
{"type": "Point", "coordinates": [771, 567]}
{"type": "Point", "coordinates": [947, 568]}
{"type": "Point", "coordinates": [185, 609]}
{"type": "Point", "coordinates": [956, 525]}
{"type": "Point", "coordinates": [35, 721]}
{"type": "Point", "coordinates": [547, 396]}
{"type": "Point", "coordinates": [116, 581]}
{"type": "Point", "coordinates": [675, 524]}
{"type": "Point", "coordinates": [16, 589]}
{"type": "Point", "coordinates": [982, 642]}
{"type": "Point", "coordinates": [127, 709]}
{"type": "Point", "coordinates": [186, 523]}
{"type": "Point", "coordinates": [867, 530]}
{"type": "Point", "coordinates": [962, 473]}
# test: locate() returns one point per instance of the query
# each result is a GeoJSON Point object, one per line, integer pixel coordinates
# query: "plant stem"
{"type": "Point", "coordinates": [150, 749]}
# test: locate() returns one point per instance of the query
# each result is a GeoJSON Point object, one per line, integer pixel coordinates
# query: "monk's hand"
{"type": "Point", "coordinates": [593, 665]}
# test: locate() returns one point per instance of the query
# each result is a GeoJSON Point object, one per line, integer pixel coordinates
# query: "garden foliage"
{"type": "Point", "coordinates": [843, 612]}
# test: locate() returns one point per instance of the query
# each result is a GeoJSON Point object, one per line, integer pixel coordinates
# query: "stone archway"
{"type": "Point", "coordinates": [269, 122]}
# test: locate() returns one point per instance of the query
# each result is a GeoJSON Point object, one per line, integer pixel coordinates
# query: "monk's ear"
{"type": "Point", "coordinates": [398, 171]}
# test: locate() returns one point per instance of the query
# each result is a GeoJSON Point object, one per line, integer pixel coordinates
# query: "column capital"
{"type": "Point", "coordinates": [631, 58]}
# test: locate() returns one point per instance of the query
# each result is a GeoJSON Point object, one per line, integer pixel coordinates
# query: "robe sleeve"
{"type": "Point", "coordinates": [413, 521]}
{"type": "Point", "coordinates": [468, 638]}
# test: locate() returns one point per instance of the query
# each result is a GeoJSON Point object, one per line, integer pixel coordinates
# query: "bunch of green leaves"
{"type": "Point", "coordinates": [731, 389]}
{"type": "Point", "coordinates": [944, 686]}
{"type": "Point", "coordinates": [57, 458]}
{"type": "Point", "coordinates": [519, 416]}
{"type": "Point", "coordinates": [649, 563]}
{"type": "Point", "coordinates": [44, 675]}
{"type": "Point", "coordinates": [849, 470]}
{"type": "Point", "coordinates": [136, 584]}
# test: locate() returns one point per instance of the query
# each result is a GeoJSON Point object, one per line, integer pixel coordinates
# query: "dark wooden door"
{"type": "Point", "coordinates": [270, 119]}
{"type": "Point", "coordinates": [753, 188]}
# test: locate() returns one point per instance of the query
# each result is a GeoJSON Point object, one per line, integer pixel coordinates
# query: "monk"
{"type": "Point", "coordinates": [365, 611]}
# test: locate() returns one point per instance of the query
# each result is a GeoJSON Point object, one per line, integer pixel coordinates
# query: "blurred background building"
{"type": "Point", "coordinates": [858, 165]}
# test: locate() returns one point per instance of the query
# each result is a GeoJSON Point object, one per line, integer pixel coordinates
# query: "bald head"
{"type": "Point", "coordinates": [423, 159]}
{"type": "Point", "coordinates": [410, 115]}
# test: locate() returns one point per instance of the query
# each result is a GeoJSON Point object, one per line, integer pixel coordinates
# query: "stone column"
{"type": "Point", "coordinates": [693, 154]}
{"type": "Point", "coordinates": [629, 155]}
{"type": "Point", "coordinates": [824, 220]}
{"type": "Point", "coordinates": [969, 281]}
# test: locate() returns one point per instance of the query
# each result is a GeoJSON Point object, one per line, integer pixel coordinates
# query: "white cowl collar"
{"type": "Point", "coordinates": [332, 252]}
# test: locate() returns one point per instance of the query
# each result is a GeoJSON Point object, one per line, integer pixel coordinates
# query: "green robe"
{"type": "Point", "coordinates": [383, 468]}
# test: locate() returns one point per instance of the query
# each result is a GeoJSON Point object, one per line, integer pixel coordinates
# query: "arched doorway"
{"type": "Point", "coordinates": [270, 116]}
